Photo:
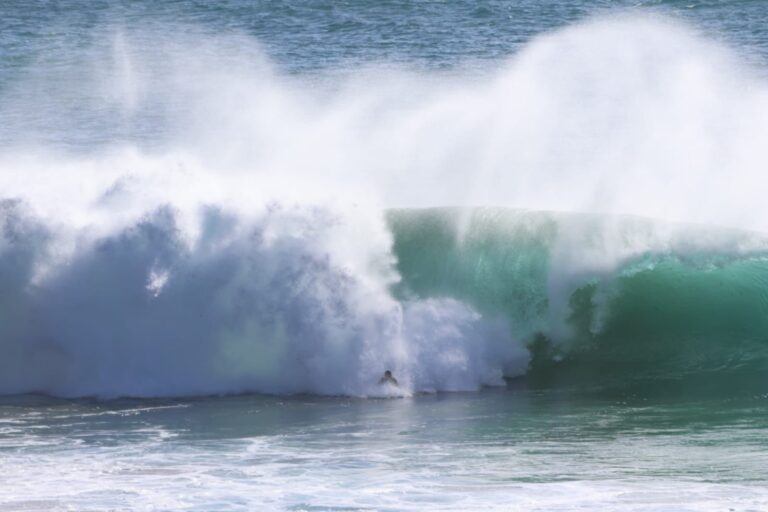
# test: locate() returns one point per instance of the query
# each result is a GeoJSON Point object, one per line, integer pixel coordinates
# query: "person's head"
{"type": "Point", "coordinates": [387, 373]}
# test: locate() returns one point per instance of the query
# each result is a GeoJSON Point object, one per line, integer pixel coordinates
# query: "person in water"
{"type": "Point", "coordinates": [388, 379]}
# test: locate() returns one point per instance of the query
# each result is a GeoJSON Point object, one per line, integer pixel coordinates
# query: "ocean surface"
{"type": "Point", "coordinates": [221, 222]}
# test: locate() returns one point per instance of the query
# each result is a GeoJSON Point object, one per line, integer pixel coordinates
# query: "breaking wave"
{"type": "Point", "coordinates": [177, 217]}
{"type": "Point", "coordinates": [266, 303]}
{"type": "Point", "coordinates": [602, 301]}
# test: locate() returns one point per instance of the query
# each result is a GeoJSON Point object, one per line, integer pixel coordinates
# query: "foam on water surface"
{"type": "Point", "coordinates": [496, 450]}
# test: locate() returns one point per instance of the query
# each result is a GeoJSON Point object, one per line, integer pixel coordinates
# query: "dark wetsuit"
{"type": "Point", "coordinates": [388, 379]}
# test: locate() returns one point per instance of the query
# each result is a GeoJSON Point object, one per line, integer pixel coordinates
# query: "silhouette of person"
{"type": "Point", "coordinates": [388, 379]}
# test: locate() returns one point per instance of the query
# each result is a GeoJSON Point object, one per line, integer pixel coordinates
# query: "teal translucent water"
{"type": "Point", "coordinates": [675, 322]}
{"type": "Point", "coordinates": [646, 389]}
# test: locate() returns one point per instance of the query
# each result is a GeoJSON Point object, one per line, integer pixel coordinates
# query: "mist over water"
{"type": "Point", "coordinates": [545, 217]}
{"type": "Point", "coordinates": [181, 216]}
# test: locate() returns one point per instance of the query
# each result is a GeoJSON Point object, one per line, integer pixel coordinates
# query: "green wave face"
{"type": "Point", "coordinates": [606, 303]}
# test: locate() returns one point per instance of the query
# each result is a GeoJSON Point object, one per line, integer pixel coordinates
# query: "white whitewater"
{"type": "Point", "coordinates": [229, 236]}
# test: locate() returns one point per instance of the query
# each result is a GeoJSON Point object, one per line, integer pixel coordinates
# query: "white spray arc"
{"type": "Point", "coordinates": [230, 236]}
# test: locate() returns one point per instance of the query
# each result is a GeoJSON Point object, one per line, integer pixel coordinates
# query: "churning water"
{"type": "Point", "coordinates": [548, 219]}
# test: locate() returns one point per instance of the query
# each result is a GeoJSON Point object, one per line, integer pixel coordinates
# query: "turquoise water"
{"type": "Point", "coordinates": [666, 322]}
{"type": "Point", "coordinates": [221, 222]}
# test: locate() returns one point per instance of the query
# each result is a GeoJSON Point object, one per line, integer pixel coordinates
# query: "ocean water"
{"type": "Point", "coordinates": [220, 223]}
{"type": "Point", "coordinates": [500, 449]}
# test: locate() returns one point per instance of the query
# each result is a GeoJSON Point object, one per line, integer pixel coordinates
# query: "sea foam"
{"type": "Point", "coordinates": [179, 217]}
